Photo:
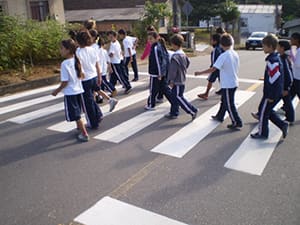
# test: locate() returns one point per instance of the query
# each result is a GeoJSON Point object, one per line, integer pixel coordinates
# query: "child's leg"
{"type": "Point", "coordinates": [184, 104]}
{"type": "Point", "coordinates": [206, 93]}
{"type": "Point", "coordinates": [231, 108]}
{"type": "Point", "coordinates": [81, 127]}
{"type": "Point", "coordinates": [289, 108]}
{"type": "Point", "coordinates": [222, 110]}
{"type": "Point", "coordinates": [103, 94]}
{"type": "Point", "coordinates": [266, 109]}
{"type": "Point", "coordinates": [107, 84]}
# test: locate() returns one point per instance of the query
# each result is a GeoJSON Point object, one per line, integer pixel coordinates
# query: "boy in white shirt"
{"type": "Point", "coordinates": [228, 64]}
{"type": "Point", "coordinates": [295, 41]}
{"type": "Point", "coordinates": [129, 44]}
{"type": "Point", "coordinates": [115, 54]}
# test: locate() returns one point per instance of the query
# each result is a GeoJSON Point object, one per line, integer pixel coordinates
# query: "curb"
{"type": "Point", "coordinates": [13, 88]}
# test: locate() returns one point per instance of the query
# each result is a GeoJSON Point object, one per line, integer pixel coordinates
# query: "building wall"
{"type": "Point", "coordinates": [259, 22]}
{"type": "Point", "coordinates": [21, 8]}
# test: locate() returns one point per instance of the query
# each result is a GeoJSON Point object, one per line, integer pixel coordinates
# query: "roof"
{"type": "Point", "coordinates": [262, 9]}
{"type": "Point", "coordinates": [104, 14]}
{"type": "Point", "coordinates": [292, 23]}
{"type": "Point", "coordinates": [104, 4]}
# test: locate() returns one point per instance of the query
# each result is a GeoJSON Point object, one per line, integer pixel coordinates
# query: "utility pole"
{"type": "Point", "coordinates": [175, 13]}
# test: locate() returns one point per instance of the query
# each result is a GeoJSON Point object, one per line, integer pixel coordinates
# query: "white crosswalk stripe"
{"type": "Point", "coordinates": [253, 155]}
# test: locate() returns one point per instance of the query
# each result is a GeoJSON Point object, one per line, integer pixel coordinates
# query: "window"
{"type": "Point", "coordinates": [39, 10]}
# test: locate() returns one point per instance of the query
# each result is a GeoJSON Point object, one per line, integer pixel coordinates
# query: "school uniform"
{"type": "Point", "coordinates": [118, 73]}
{"type": "Point", "coordinates": [88, 58]}
{"type": "Point", "coordinates": [288, 81]}
{"type": "Point", "coordinates": [273, 88]}
{"type": "Point", "coordinates": [177, 76]}
{"type": "Point", "coordinates": [296, 72]}
{"type": "Point", "coordinates": [213, 58]}
{"type": "Point", "coordinates": [73, 98]}
{"type": "Point", "coordinates": [228, 65]}
{"type": "Point", "coordinates": [128, 43]}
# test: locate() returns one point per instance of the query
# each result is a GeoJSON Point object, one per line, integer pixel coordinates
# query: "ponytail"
{"type": "Point", "coordinates": [78, 68]}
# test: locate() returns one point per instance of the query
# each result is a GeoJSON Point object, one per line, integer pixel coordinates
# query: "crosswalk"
{"type": "Point", "coordinates": [176, 145]}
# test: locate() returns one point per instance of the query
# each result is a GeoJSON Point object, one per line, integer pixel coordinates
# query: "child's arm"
{"type": "Point", "coordinates": [210, 70]}
{"type": "Point", "coordinates": [62, 85]}
{"type": "Point", "coordinates": [99, 81]}
{"type": "Point", "coordinates": [146, 51]}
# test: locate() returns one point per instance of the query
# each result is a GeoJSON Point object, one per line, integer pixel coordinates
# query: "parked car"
{"type": "Point", "coordinates": [255, 40]}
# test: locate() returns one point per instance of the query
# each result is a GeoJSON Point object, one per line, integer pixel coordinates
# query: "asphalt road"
{"type": "Point", "coordinates": [47, 177]}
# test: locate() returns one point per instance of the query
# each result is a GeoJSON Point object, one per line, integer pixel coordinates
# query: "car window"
{"type": "Point", "coordinates": [258, 35]}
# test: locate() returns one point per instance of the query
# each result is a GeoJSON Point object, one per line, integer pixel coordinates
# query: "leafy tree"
{"type": "Point", "coordinates": [229, 12]}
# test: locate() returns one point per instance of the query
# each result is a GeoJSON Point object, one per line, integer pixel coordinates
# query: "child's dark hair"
{"type": "Point", "coordinates": [220, 30]}
{"type": "Point", "coordinates": [84, 38]}
{"type": "Point", "coordinates": [271, 41]}
{"type": "Point", "coordinates": [216, 38]}
{"type": "Point", "coordinates": [285, 44]}
{"type": "Point", "coordinates": [161, 40]}
{"type": "Point", "coordinates": [177, 40]}
{"type": "Point", "coordinates": [94, 33]}
{"type": "Point", "coordinates": [226, 40]}
{"type": "Point", "coordinates": [72, 34]}
{"type": "Point", "coordinates": [122, 32]}
{"type": "Point", "coordinates": [70, 45]}
{"type": "Point", "coordinates": [90, 24]}
{"type": "Point", "coordinates": [296, 36]}
{"type": "Point", "coordinates": [113, 33]}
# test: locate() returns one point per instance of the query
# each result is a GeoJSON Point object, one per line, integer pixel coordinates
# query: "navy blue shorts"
{"type": "Point", "coordinates": [73, 107]}
{"type": "Point", "coordinates": [213, 77]}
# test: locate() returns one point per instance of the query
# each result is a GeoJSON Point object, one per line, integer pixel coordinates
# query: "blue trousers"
{"type": "Point", "coordinates": [106, 85]}
{"type": "Point", "coordinates": [119, 75]}
{"type": "Point", "coordinates": [228, 104]}
{"type": "Point", "coordinates": [91, 109]}
{"type": "Point", "coordinates": [133, 65]}
{"type": "Point", "coordinates": [154, 87]}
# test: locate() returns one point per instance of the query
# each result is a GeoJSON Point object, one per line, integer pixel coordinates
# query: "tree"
{"type": "Point", "coordinates": [229, 12]}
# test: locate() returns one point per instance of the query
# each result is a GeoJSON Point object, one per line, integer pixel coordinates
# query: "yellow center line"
{"type": "Point", "coordinates": [253, 87]}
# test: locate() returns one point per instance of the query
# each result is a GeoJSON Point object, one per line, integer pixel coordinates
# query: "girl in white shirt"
{"type": "Point", "coordinates": [71, 86]}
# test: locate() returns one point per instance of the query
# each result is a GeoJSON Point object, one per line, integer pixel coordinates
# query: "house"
{"type": "Point", "coordinates": [108, 14]}
{"type": "Point", "coordinates": [259, 18]}
{"type": "Point", "coordinates": [34, 9]}
{"type": "Point", "coordinates": [292, 26]}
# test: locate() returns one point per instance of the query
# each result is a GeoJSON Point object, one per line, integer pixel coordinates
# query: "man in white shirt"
{"type": "Point", "coordinates": [115, 54]}
{"type": "Point", "coordinates": [129, 44]}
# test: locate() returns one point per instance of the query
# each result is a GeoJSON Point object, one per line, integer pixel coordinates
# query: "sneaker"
{"type": "Point", "coordinates": [255, 115]}
{"type": "Point", "coordinates": [170, 116]}
{"type": "Point", "coordinates": [83, 138]}
{"type": "Point", "coordinates": [217, 119]}
{"type": "Point", "coordinates": [258, 136]}
{"type": "Point", "coordinates": [285, 130]}
{"type": "Point", "coordinates": [203, 96]}
{"type": "Point", "coordinates": [234, 126]}
{"type": "Point", "coordinates": [128, 90]}
{"type": "Point", "coordinates": [149, 108]}
{"type": "Point", "coordinates": [159, 100]}
{"type": "Point", "coordinates": [114, 93]}
{"type": "Point", "coordinates": [194, 115]}
{"type": "Point", "coordinates": [219, 92]}
{"type": "Point", "coordinates": [134, 79]}
{"type": "Point", "coordinates": [99, 99]}
{"type": "Point", "coordinates": [112, 104]}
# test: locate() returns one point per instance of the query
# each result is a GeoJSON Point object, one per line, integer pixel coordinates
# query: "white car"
{"type": "Point", "coordinates": [255, 40]}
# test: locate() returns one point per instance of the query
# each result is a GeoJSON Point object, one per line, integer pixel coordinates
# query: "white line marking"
{"type": "Point", "coordinates": [123, 103]}
{"type": "Point", "coordinates": [28, 103]}
{"type": "Point", "coordinates": [190, 135]}
{"type": "Point", "coordinates": [136, 124]}
{"type": "Point", "coordinates": [109, 211]}
{"type": "Point", "coordinates": [253, 155]}
{"type": "Point", "coordinates": [243, 80]}
{"type": "Point", "coordinates": [27, 93]}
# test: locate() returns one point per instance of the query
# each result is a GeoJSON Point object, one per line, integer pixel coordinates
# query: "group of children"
{"type": "Point", "coordinates": [87, 64]}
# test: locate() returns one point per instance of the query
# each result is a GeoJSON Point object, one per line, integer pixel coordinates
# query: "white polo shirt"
{"type": "Point", "coordinates": [69, 74]}
{"type": "Point", "coordinates": [115, 49]}
{"type": "Point", "coordinates": [296, 65]}
{"type": "Point", "coordinates": [104, 61]}
{"type": "Point", "coordinates": [228, 63]}
{"type": "Point", "coordinates": [88, 58]}
{"type": "Point", "coordinates": [128, 43]}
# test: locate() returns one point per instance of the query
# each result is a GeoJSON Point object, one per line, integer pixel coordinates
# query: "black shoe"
{"type": "Point", "coordinates": [219, 92]}
{"type": "Point", "coordinates": [194, 115]}
{"type": "Point", "coordinates": [234, 126]}
{"type": "Point", "coordinates": [99, 100]}
{"type": "Point", "coordinates": [170, 116]}
{"type": "Point", "coordinates": [217, 119]}
{"type": "Point", "coordinates": [255, 115]}
{"type": "Point", "coordinates": [285, 130]}
{"type": "Point", "coordinates": [134, 79]}
{"type": "Point", "coordinates": [128, 90]}
{"type": "Point", "coordinates": [258, 136]}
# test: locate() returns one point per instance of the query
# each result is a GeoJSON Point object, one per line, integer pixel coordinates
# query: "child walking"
{"type": "Point", "coordinates": [215, 42]}
{"type": "Point", "coordinates": [103, 64]}
{"type": "Point", "coordinates": [176, 79]}
{"type": "Point", "coordinates": [272, 91]}
{"type": "Point", "coordinates": [71, 86]}
{"type": "Point", "coordinates": [92, 77]}
{"type": "Point", "coordinates": [228, 64]}
{"type": "Point", "coordinates": [295, 41]}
